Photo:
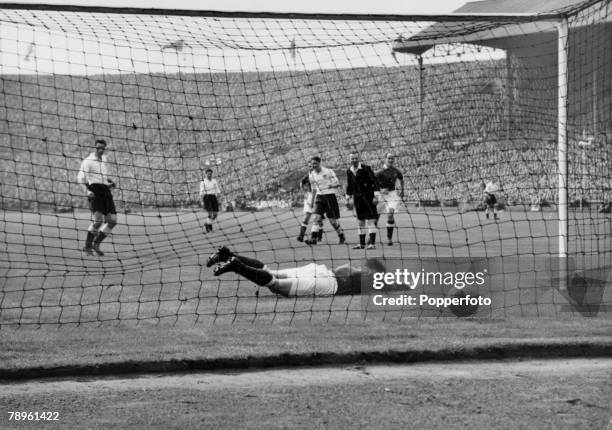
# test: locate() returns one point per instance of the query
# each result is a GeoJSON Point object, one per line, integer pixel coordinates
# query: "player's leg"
{"type": "Point", "coordinates": [336, 225]}
{"type": "Point", "coordinates": [320, 237]}
{"type": "Point", "coordinates": [314, 230]}
{"type": "Point", "coordinates": [259, 276]}
{"type": "Point", "coordinates": [333, 214]}
{"type": "Point", "coordinates": [92, 231]}
{"type": "Point", "coordinates": [110, 221]}
{"type": "Point", "coordinates": [208, 222]}
{"type": "Point", "coordinates": [390, 225]}
{"type": "Point", "coordinates": [223, 254]}
{"type": "Point", "coordinates": [213, 217]}
{"type": "Point", "coordinates": [361, 233]}
{"type": "Point", "coordinates": [304, 226]}
{"type": "Point", "coordinates": [370, 223]}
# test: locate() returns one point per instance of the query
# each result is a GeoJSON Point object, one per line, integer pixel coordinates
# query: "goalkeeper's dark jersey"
{"type": "Point", "coordinates": [388, 177]}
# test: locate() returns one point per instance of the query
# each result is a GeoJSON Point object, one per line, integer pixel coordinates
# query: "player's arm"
{"type": "Point", "coordinates": [106, 164]}
{"type": "Point", "coordinates": [217, 190]}
{"type": "Point", "coordinates": [349, 190]}
{"type": "Point", "coordinates": [82, 179]}
{"type": "Point", "coordinates": [335, 180]}
{"type": "Point", "coordinates": [375, 185]}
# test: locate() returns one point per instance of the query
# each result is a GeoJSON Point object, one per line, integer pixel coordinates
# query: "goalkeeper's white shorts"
{"type": "Point", "coordinates": [307, 203]}
{"type": "Point", "coordinates": [388, 202]}
{"type": "Point", "coordinates": [310, 280]}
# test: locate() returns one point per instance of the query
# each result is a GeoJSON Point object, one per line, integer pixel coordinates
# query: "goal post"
{"type": "Point", "coordinates": [482, 112]}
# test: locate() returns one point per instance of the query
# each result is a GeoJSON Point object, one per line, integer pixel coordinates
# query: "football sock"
{"type": "Point", "coordinates": [99, 238]}
{"type": "Point", "coordinates": [248, 261]}
{"type": "Point", "coordinates": [372, 239]}
{"type": "Point", "coordinates": [362, 239]}
{"type": "Point", "coordinates": [90, 237]}
{"type": "Point", "coordinates": [253, 274]}
{"type": "Point", "coordinates": [389, 232]}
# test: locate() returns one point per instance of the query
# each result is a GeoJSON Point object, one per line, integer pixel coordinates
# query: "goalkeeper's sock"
{"type": "Point", "coordinates": [389, 233]}
{"type": "Point", "coordinates": [259, 276]}
{"type": "Point", "coordinates": [320, 235]}
{"type": "Point", "coordinates": [372, 240]}
{"type": "Point", "coordinates": [302, 231]}
{"type": "Point", "coordinates": [251, 262]}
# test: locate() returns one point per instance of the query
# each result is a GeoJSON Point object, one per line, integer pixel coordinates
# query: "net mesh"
{"type": "Point", "coordinates": [461, 103]}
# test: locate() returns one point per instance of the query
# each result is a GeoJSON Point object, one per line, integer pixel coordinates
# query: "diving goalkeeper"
{"type": "Point", "coordinates": [309, 280]}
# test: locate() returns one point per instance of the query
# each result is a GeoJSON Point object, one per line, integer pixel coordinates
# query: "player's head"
{"type": "Point", "coordinates": [315, 163]}
{"type": "Point", "coordinates": [390, 159]}
{"type": "Point", "coordinates": [208, 173]}
{"type": "Point", "coordinates": [100, 146]}
{"type": "Point", "coordinates": [354, 158]}
{"type": "Point", "coordinates": [375, 265]}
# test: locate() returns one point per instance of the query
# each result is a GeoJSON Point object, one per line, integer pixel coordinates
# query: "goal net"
{"type": "Point", "coordinates": [466, 103]}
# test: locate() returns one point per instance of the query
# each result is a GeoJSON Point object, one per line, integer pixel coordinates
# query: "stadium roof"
{"type": "Point", "coordinates": [496, 34]}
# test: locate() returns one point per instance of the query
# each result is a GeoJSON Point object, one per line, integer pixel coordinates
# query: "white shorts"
{"type": "Point", "coordinates": [391, 200]}
{"type": "Point", "coordinates": [310, 280]}
{"type": "Point", "coordinates": [307, 203]}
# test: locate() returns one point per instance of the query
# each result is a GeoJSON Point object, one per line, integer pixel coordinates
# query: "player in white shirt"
{"type": "Point", "coordinates": [93, 176]}
{"type": "Point", "coordinates": [325, 184]}
{"type": "Point", "coordinates": [308, 201]}
{"type": "Point", "coordinates": [209, 194]}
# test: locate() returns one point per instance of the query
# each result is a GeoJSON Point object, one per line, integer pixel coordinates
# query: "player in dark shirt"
{"type": "Point", "coordinates": [490, 200]}
{"type": "Point", "coordinates": [361, 191]}
{"type": "Point", "coordinates": [390, 179]}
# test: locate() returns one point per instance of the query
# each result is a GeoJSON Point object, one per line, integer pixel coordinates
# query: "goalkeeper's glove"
{"type": "Point", "coordinates": [111, 184]}
{"type": "Point", "coordinates": [91, 196]}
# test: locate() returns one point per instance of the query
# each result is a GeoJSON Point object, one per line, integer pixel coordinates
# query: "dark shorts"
{"type": "Point", "coordinates": [327, 204]}
{"type": "Point", "coordinates": [103, 199]}
{"type": "Point", "coordinates": [365, 208]}
{"type": "Point", "coordinates": [490, 200]}
{"type": "Point", "coordinates": [211, 204]}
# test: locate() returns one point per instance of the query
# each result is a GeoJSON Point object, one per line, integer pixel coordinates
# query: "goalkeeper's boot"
{"type": "Point", "coordinates": [371, 246]}
{"type": "Point", "coordinates": [97, 250]}
{"type": "Point", "coordinates": [310, 241]}
{"type": "Point", "coordinates": [358, 247]}
{"type": "Point", "coordinates": [88, 250]}
{"type": "Point", "coordinates": [223, 254]}
{"type": "Point", "coordinates": [226, 266]}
